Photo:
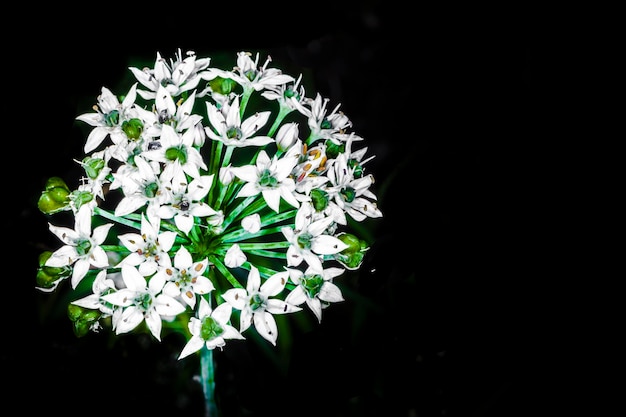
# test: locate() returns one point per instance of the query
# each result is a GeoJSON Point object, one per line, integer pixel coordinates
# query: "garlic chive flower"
{"type": "Point", "coordinates": [212, 200]}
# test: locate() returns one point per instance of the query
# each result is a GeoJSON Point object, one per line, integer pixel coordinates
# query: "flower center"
{"type": "Point", "coordinates": [304, 240]}
{"type": "Point", "coordinates": [210, 329]}
{"type": "Point", "coordinates": [257, 301]}
{"type": "Point", "coordinates": [234, 133]}
{"type": "Point", "coordinates": [312, 284]}
{"type": "Point", "coordinates": [266, 179]}
{"type": "Point", "coordinates": [175, 153]}
{"type": "Point", "coordinates": [112, 118]}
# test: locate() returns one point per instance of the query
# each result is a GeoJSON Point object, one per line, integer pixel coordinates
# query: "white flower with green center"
{"type": "Point", "coordinates": [81, 248]}
{"type": "Point", "coordinates": [229, 129]}
{"type": "Point", "coordinates": [178, 76]}
{"type": "Point", "coordinates": [352, 194]}
{"type": "Point", "coordinates": [271, 178]}
{"type": "Point", "coordinates": [210, 329]}
{"type": "Point", "coordinates": [167, 112]}
{"type": "Point", "coordinates": [324, 126]}
{"type": "Point", "coordinates": [315, 288]}
{"type": "Point", "coordinates": [142, 300]}
{"type": "Point", "coordinates": [186, 278]}
{"type": "Point", "coordinates": [257, 304]}
{"type": "Point", "coordinates": [177, 152]}
{"type": "Point", "coordinates": [187, 202]}
{"type": "Point", "coordinates": [108, 119]}
{"type": "Point", "coordinates": [141, 187]}
{"type": "Point", "coordinates": [148, 249]}
{"type": "Point", "coordinates": [307, 239]}
{"type": "Point", "coordinates": [251, 76]}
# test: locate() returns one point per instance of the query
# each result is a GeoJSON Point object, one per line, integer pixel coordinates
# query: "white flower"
{"type": "Point", "coordinates": [307, 239]}
{"type": "Point", "coordinates": [352, 194]}
{"type": "Point", "coordinates": [108, 118]}
{"type": "Point", "coordinates": [102, 285]}
{"type": "Point", "coordinates": [251, 76]}
{"type": "Point", "coordinates": [210, 329]}
{"type": "Point", "coordinates": [177, 152]}
{"type": "Point", "coordinates": [231, 130]}
{"type": "Point", "coordinates": [186, 279]}
{"type": "Point", "coordinates": [269, 177]}
{"type": "Point", "coordinates": [315, 288]}
{"type": "Point", "coordinates": [148, 249]}
{"type": "Point", "coordinates": [178, 75]}
{"type": "Point", "coordinates": [141, 301]}
{"type": "Point", "coordinates": [257, 305]}
{"type": "Point", "coordinates": [186, 203]}
{"type": "Point", "coordinates": [81, 249]}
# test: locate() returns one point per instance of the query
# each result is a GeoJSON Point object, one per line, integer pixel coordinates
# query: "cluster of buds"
{"type": "Point", "coordinates": [217, 222]}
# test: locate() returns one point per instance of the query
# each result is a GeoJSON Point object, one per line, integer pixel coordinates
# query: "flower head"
{"type": "Point", "coordinates": [211, 193]}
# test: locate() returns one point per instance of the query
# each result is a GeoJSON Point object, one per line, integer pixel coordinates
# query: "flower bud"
{"type": "Point", "coordinates": [222, 85]}
{"type": "Point", "coordinates": [287, 136]}
{"type": "Point", "coordinates": [55, 197]}
{"type": "Point", "coordinates": [352, 256]}
{"type": "Point", "coordinates": [93, 166]}
{"type": "Point", "coordinates": [48, 277]}
{"type": "Point", "coordinates": [83, 319]}
{"type": "Point", "coordinates": [81, 197]}
{"type": "Point", "coordinates": [133, 128]}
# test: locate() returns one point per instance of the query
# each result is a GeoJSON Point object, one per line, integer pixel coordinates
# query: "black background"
{"type": "Point", "coordinates": [448, 300]}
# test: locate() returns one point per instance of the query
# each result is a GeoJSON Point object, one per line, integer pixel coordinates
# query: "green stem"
{"type": "Point", "coordinates": [207, 369]}
{"type": "Point", "coordinates": [121, 220]}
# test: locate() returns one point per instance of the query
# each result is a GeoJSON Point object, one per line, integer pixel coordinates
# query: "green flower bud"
{"type": "Point", "coordinates": [81, 197]}
{"type": "Point", "coordinates": [82, 318]}
{"type": "Point", "coordinates": [133, 128]}
{"type": "Point", "coordinates": [352, 256]}
{"type": "Point", "coordinates": [45, 280]}
{"type": "Point", "coordinates": [56, 183]}
{"type": "Point", "coordinates": [222, 86]}
{"type": "Point", "coordinates": [55, 197]}
{"type": "Point", "coordinates": [93, 166]}
{"type": "Point", "coordinates": [47, 276]}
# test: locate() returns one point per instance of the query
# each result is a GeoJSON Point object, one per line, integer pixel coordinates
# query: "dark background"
{"type": "Point", "coordinates": [445, 316]}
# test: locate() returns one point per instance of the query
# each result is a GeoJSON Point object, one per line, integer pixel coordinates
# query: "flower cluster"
{"type": "Point", "coordinates": [217, 222]}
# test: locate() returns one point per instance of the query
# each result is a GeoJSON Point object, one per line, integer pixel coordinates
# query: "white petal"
{"type": "Point", "coordinates": [266, 326]}
{"type": "Point", "coordinates": [327, 245]}
{"type": "Point", "coordinates": [193, 345]}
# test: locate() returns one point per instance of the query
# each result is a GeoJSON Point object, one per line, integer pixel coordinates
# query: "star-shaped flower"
{"type": "Point", "coordinates": [186, 278]}
{"type": "Point", "coordinates": [307, 239]}
{"type": "Point", "coordinates": [148, 249]}
{"type": "Point", "coordinates": [141, 301]}
{"type": "Point", "coordinates": [231, 130]}
{"type": "Point", "coordinates": [108, 118]}
{"type": "Point", "coordinates": [257, 305]}
{"type": "Point", "coordinates": [269, 177]}
{"type": "Point", "coordinates": [186, 203]}
{"type": "Point", "coordinates": [315, 288]}
{"type": "Point", "coordinates": [82, 248]}
{"type": "Point", "coordinates": [211, 328]}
